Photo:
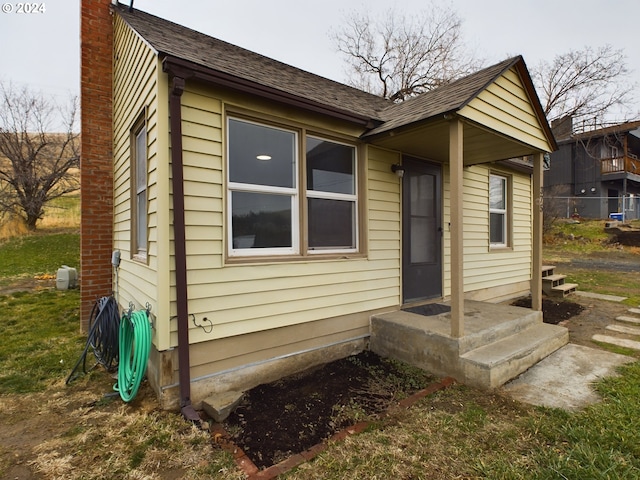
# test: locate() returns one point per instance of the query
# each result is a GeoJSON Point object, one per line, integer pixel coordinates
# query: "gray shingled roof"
{"type": "Point", "coordinates": [448, 98]}
{"type": "Point", "coordinates": [171, 39]}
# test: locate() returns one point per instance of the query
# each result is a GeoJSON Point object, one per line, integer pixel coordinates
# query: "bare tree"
{"type": "Point", "coordinates": [584, 84]}
{"type": "Point", "coordinates": [401, 56]}
{"type": "Point", "coordinates": [36, 155]}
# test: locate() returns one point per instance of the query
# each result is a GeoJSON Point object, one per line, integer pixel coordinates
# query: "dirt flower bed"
{"type": "Point", "coordinates": [293, 414]}
{"type": "Point", "coordinates": [279, 419]}
{"type": "Point", "coordinates": [553, 311]}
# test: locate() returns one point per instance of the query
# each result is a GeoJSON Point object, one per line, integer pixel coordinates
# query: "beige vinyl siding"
{"type": "Point", "coordinates": [504, 106]}
{"type": "Point", "coordinates": [485, 268]}
{"type": "Point", "coordinates": [136, 90]}
{"type": "Point", "coordinates": [383, 190]}
{"type": "Point", "coordinates": [240, 299]}
{"type": "Point", "coordinates": [253, 348]}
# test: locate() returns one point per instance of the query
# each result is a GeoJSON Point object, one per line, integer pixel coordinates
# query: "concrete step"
{"type": "Point", "coordinates": [624, 329]}
{"type": "Point", "coordinates": [547, 270]}
{"type": "Point", "coordinates": [627, 319]}
{"type": "Point", "coordinates": [220, 405]}
{"type": "Point", "coordinates": [635, 310]}
{"type": "Point", "coordinates": [562, 290]}
{"type": "Point", "coordinates": [515, 321]}
{"type": "Point", "coordinates": [619, 342]}
{"type": "Point", "coordinates": [494, 364]}
{"type": "Point", "coordinates": [555, 279]}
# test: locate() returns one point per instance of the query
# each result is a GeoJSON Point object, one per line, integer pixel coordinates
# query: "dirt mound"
{"type": "Point", "coordinates": [625, 234]}
{"type": "Point", "coordinates": [293, 414]}
{"type": "Point", "coordinates": [553, 311]}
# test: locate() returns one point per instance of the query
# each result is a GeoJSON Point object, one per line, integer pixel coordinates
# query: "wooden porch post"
{"type": "Point", "coordinates": [536, 273]}
{"type": "Point", "coordinates": [456, 214]}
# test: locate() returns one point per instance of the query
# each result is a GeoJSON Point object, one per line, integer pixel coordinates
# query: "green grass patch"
{"type": "Point", "coordinates": [62, 212]}
{"type": "Point", "coordinates": [591, 230]}
{"type": "Point", "coordinates": [39, 254]}
{"type": "Point", "coordinates": [463, 433]}
{"type": "Point", "coordinates": [586, 236]}
{"type": "Point", "coordinates": [625, 284]}
{"type": "Point", "coordinates": [616, 349]}
{"type": "Point", "coordinates": [43, 329]}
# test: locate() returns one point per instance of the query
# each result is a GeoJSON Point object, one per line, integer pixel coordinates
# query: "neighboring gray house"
{"type": "Point", "coordinates": [595, 173]}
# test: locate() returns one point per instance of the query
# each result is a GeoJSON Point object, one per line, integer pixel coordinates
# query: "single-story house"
{"type": "Point", "coordinates": [266, 214]}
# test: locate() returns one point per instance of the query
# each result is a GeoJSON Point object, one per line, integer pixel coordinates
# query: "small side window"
{"type": "Point", "coordinates": [139, 189]}
{"type": "Point", "coordinates": [498, 211]}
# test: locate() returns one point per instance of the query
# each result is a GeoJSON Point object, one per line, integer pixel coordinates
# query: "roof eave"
{"type": "Point", "coordinates": [179, 67]}
{"type": "Point", "coordinates": [443, 116]}
{"type": "Point", "coordinates": [521, 67]}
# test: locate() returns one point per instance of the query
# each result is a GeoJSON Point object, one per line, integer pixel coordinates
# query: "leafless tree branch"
{"type": "Point", "coordinates": [36, 162]}
{"type": "Point", "coordinates": [401, 56]}
{"type": "Point", "coordinates": [584, 84]}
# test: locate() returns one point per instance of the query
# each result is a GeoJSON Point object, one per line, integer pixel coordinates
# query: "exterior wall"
{"type": "Point", "coordinates": [249, 318]}
{"type": "Point", "coordinates": [575, 184]}
{"type": "Point", "coordinates": [96, 169]}
{"type": "Point", "coordinates": [140, 90]}
{"type": "Point", "coordinates": [504, 106]}
{"type": "Point", "coordinates": [561, 171]}
{"type": "Point", "coordinates": [257, 312]}
{"type": "Point", "coordinates": [491, 274]}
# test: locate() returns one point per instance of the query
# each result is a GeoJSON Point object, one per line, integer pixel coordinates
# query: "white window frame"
{"type": "Point", "coordinates": [500, 211]}
{"type": "Point", "coordinates": [353, 198]}
{"type": "Point", "coordinates": [272, 190]}
{"type": "Point", "coordinates": [297, 194]}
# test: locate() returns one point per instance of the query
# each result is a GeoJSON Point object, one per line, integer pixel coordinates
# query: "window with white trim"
{"type": "Point", "coordinates": [266, 165]}
{"type": "Point", "coordinates": [331, 195]}
{"type": "Point", "coordinates": [498, 214]}
{"type": "Point", "coordinates": [139, 186]}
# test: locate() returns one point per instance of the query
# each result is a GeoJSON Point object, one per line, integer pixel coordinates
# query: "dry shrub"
{"type": "Point", "coordinates": [11, 225]}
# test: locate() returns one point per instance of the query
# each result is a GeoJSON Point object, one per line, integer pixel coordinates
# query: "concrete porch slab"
{"type": "Point", "coordinates": [500, 342]}
{"type": "Point", "coordinates": [564, 379]}
{"type": "Point", "coordinates": [483, 322]}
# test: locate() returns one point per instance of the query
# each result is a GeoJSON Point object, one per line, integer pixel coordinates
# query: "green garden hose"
{"type": "Point", "coordinates": [135, 344]}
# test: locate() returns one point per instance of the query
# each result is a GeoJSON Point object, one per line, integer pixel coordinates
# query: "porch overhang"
{"type": "Point", "coordinates": [430, 140]}
{"type": "Point", "coordinates": [458, 142]}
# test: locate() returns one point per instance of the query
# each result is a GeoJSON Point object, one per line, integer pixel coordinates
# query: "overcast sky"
{"type": "Point", "coordinates": [42, 49]}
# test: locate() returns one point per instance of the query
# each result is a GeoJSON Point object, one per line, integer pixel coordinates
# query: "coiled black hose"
{"type": "Point", "coordinates": [103, 337]}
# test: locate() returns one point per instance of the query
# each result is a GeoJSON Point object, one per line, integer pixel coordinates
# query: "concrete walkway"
{"type": "Point", "coordinates": [564, 379]}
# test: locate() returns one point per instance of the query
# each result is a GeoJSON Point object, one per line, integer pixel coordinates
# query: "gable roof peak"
{"type": "Point", "coordinates": [444, 99]}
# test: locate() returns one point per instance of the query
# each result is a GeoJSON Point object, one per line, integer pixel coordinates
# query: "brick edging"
{"type": "Point", "coordinates": [221, 438]}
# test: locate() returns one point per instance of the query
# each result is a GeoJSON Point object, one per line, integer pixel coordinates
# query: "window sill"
{"type": "Point", "coordinates": [140, 258]}
{"type": "Point", "coordinates": [500, 249]}
{"type": "Point", "coordinates": [293, 258]}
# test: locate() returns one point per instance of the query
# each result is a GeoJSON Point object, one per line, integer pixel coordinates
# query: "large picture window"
{"type": "Point", "coordinates": [498, 213]}
{"type": "Point", "coordinates": [266, 214]}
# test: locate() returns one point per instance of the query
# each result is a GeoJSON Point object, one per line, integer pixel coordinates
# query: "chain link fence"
{"type": "Point", "coordinates": [618, 208]}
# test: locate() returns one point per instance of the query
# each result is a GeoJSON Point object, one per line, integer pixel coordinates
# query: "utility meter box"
{"type": "Point", "coordinates": [67, 278]}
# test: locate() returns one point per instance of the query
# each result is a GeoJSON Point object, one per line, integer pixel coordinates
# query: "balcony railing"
{"type": "Point", "coordinates": [629, 163]}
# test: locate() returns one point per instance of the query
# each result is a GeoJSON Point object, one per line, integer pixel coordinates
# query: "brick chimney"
{"type": "Point", "coordinates": [96, 158]}
{"type": "Point", "coordinates": [562, 128]}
